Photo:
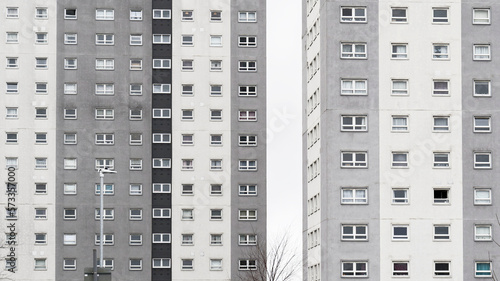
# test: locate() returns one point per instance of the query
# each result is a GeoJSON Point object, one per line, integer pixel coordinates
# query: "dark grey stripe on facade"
{"type": "Point", "coordinates": [480, 142]}
{"type": "Point", "coordinates": [86, 126]}
{"type": "Point", "coordinates": [333, 141]}
{"type": "Point", "coordinates": [258, 128]}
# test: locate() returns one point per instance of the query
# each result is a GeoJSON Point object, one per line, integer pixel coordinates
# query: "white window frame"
{"type": "Point", "coordinates": [187, 40]}
{"type": "Point", "coordinates": [440, 272]}
{"type": "Point", "coordinates": [109, 239]}
{"type": "Point", "coordinates": [161, 213]}
{"type": "Point", "coordinates": [161, 113]}
{"type": "Point", "coordinates": [135, 264]}
{"type": "Point", "coordinates": [247, 140]}
{"type": "Point", "coordinates": [160, 238]}
{"type": "Point", "coordinates": [162, 39]}
{"type": "Point", "coordinates": [161, 263]}
{"type": "Point", "coordinates": [12, 88]}
{"type": "Point", "coordinates": [104, 14]}
{"type": "Point", "coordinates": [354, 198]}
{"type": "Point", "coordinates": [355, 123]}
{"type": "Point", "coordinates": [70, 163]}
{"type": "Point", "coordinates": [248, 264]}
{"type": "Point", "coordinates": [440, 51]}
{"type": "Point", "coordinates": [479, 128]}
{"type": "Point", "coordinates": [247, 215]}
{"type": "Point", "coordinates": [441, 236]}
{"type": "Point", "coordinates": [481, 56]}
{"type": "Point", "coordinates": [135, 139]}
{"type": "Point", "coordinates": [187, 65]}
{"type": "Point", "coordinates": [135, 214]}
{"type": "Point", "coordinates": [483, 83]}
{"type": "Point", "coordinates": [70, 38]}
{"type": "Point", "coordinates": [478, 19]}
{"type": "Point", "coordinates": [69, 214]}
{"type": "Point", "coordinates": [396, 272]}
{"type": "Point", "coordinates": [162, 64]}
{"type": "Point", "coordinates": [399, 128]}
{"type": "Point", "coordinates": [69, 15]}
{"type": "Point", "coordinates": [247, 90]}
{"type": "Point", "coordinates": [247, 165]}
{"type": "Point", "coordinates": [104, 163]}
{"type": "Point", "coordinates": [400, 91]}
{"type": "Point", "coordinates": [70, 113]}
{"type": "Point", "coordinates": [104, 64]}
{"type": "Point", "coordinates": [353, 17]}
{"type": "Point", "coordinates": [70, 63]}
{"type": "Point", "coordinates": [215, 40]}
{"type": "Point", "coordinates": [11, 112]}
{"type": "Point", "coordinates": [483, 236]}
{"type": "Point", "coordinates": [69, 239]}
{"type": "Point", "coordinates": [104, 139]}
{"type": "Point", "coordinates": [400, 200]}
{"type": "Point", "coordinates": [438, 90]}
{"type": "Point", "coordinates": [215, 65]}
{"type": "Point", "coordinates": [104, 114]}
{"type": "Point", "coordinates": [482, 164]}
{"type": "Point", "coordinates": [41, 38]}
{"type": "Point", "coordinates": [247, 239]}
{"type": "Point", "coordinates": [69, 264]}
{"type": "Point", "coordinates": [187, 239]}
{"type": "Point", "coordinates": [162, 138]}
{"type": "Point", "coordinates": [162, 188]}
{"type": "Point", "coordinates": [354, 163]}
{"type": "Point", "coordinates": [135, 239]}
{"type": "Point", "coordinates": [397, 236]}
{"type": "Point", "coordinates": [398, 18]}
{"type": "Point", "coordinates": [440, 200]}
{"type": "Point", "coordinates": [440, 19]}
{"type": "Point", "coordinates": [482, 200]}
{"type": "Point", "coordinates": [70, 138]}
{"type": "Point", "coordinates": [216, 214]}
{"type": "Point", "coordinates": [215, 90]}
{"type": "Point", "coordinates": [353, 53]}
{"type": "Point", "coordinates": [187, 15]}
{"type": "Point", "coordinates": [12, 12]}
{"type": "Point", "coordinates": [104, 89]}
{"type": "Point", "coordinates": [104, 39]}
{"type": "Point", "coordinates": [247, 115]}
{"type": "Point", "coordinates": [12, 37]}
{"type": "Point", "coordinates": [399, 51]}
{"type": "Point", "coordinates": [353, 270]}
{"type": "Point", "coordinates": [215, 15]}
{"type": "Point", "coordinates": [135, 14]}
{"type": "Point", "coordinates": [162, 88]}
{"type": "Point", "coordinates": [215, 189]}
{"type": "Point", "coordinates": [187, 89]}
{"type": "Point", "coordinates": [162, 14]}
{"type": "Point", "coordinates": [135, 165]}
{"type": "Point", "coordinates": [247, 16]}
{"type": "Point", "coordinates": [135, 64]}
{"type": "Point", "coordinates": [441, 160]}
{"type": "Point", "coordinates": [215, 139]}
{"type": "Point", "coordinates": [247, 66]}
{"type": "Point", "coordinates": [353, 234]}
{"type": "Point", "coordinates": [441, 127]}
{"type": "Point", "coordinates": [215, 239]}
{"type": "Point", "coordinates": [400, 159]}
{"type": "Point", "coordinates": [109, 189]}
{"type": "Point", "coordinates": [70, 88]}
{"type": "Point", "coordinates": [247, 41]}
{"type": "Point", "coordinates": [247, 189]}
{"type": "Point", "coordinates": [135, 40]}
{"type": "Point", "coordinates": [162, 163]}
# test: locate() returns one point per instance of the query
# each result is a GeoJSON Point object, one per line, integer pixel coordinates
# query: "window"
{"type": "Point", "coordinates": [187, 189]}
{"type": "Point", "coordinates": [216, 90]}
{"type": "Point", "coordinates": [400, 196]}
{"type": "Point", "coordinates": [353, 50]}
{"type": "Point", "coordinates": [161, 188]}
{"type": "Point", "coordinates": [41, 38]}
{"type": "Point", "coordinates": [41, 264]}
{"type": "Point", "coordinates": [161, 39]}
{"type": "Point", "coordinates": [247, 165]}
{"type": "Point", "coordinates": [12, 37]}
{"type": "Point", "coordinates": [441, 87]}
{"type": "Point", "coordinates": [135, 89]}
{"type": "Point", "coordinates": [187, 264]}
{"type": "Point", "coordinates": [215, 264]}
{"type": "Point", "coordinates": [247, 91]}
{"type": "Point", "coordinates": [215, 115]}
{"type": "Point", "coordinates": [12, 88]}
{"type": "Point", "coordinates": [70, 138]}
{"type": "Point", "coordinates": [40, 188]}
{"type": "Point", "coordinates": [108, 114]}
{"type": "Point", "coordinates": [161, 112]}
{"type": "Point", "coordinates": [482, 88]}
{"type": "Point", "coordinates": [187, 239]}
{"type": "Point", "coordinates": [187, 15]}
{"type": "Point", "coordinates": [104, 39]}
{"type": "Point", "coordinates": [70, 88]}
{"type": "Point", "coordinates": [247, 41]}
{"type": "Point", "coordinates": [216, 214]}
{"type": "Point", "coordinates": [441, 232]}
{"type": "Point", "coordinates": [482, 52]}
{"type": "Point", "coordinates": [69, 239]}
{"type": "Point", "coordinates": [41, 63]}
{"type": "Point", "coordinates": [12, 12]}
{"type": "Point", "coordinates": [216, 15]}
{"type": "Point", "coordinates": [11, 112]}
{"type": "Point", "coordinates": [135, 239]}
{"type": "Point", "coordinates": [187, 89]}
{"type": "Point", "coordinates": [12, 63]}
{"type": "Point", "coordinates": [399, 15]}
{"type": "Point", "coordinates": [104, 139]}
{"type": "Point", "coordinates": [40, 238]}
{"type": "Point", "coordinates": [70, 214]}
{"type": "Point", "coordinates": [353, 87]}
{"type": "Point", "coordinates": [247, 215]}
{"type": "Point", "coordinates": [216, 65]}
{"type": "Point", "coordinates": [69, 264]}
{"type": "Point", "coordinates": [161, 14]}
{"type": "Point", "coordinates": [354, 268]}
{"type": "Point", "coordinates": [247, 115]}
{"type": "Point", "coordinates": [109, 189]}
{"type": "Point", "coordinates": [70, 63]}
{"type": "Point", "coordinates": [400, 232]}
{"type": "Point", "coordinates": [247, 239]}
{"type": "Point", "coordinates": [355, 232]}
{"type": "Point", "coordinates": [482, 124]}
{"type": "Point", "coordinates": [70, 14]}
{"type": "Point", "coordinates": [440, 51]}
{"type": "Point", "coordinates": [187, 65]}
{"type": "Point", "coordinates": [441, 268]}
{"type": "Point", "coordinates": [247, 265]}
{"type": "Point", "coordinates": [161, 138]}
{"type": "Point", "coordinates": [187, 214]}
{"type": "Point", "coordinates": [161, 88]}
{"type": "Point", "coordinates": [354, 123]}
{"type": "Point", "coordinates": [135, 14]}
{"type": "Point", "coordinates": [399, 51]}
{"type": "Point", "coordinates": [187, 40]}
{"type": "Point", "coordinates": [40, 213]}
{"type": "Point", "coordinates": [482, 196]}
{"type": "Point", "coordinates": [215, 139]}
{"type": "Point", "coordinates": [104, 64]}
{"type": "Point", "coordinates": [109, 214]}
{"type": "Point", "coordinates": [354, 196]}
{"type": "Point", "coordinates": [70, 163]}
{"type": "Point", "coordinates": [11, 162]}
{"type": "Point", "coordinates": [104, 14]}
{"type": "Point", "coordinates": [441, 196]}
{"type": "Point", "coordinates": [161, 63]}
{"type": "Point", "coordinates": [135, 139]}
{"type": "Point", "coordinates": [104, 163]}
{"type": "Point", "coordinates": [187, 165]}
{"type": "Point", "coordinates": [247, 16]}
{"type": "Point", "coordinates": [247, 66]}
{"type": "Point", "coordinates": [247, 189]}
{"type": "Point", "coordinates": [135, 164]}
{"type": "Point", "coordinates": [161, 263]}
{"type": "Point", "coordinates": [440, 15]}
{"type": "Point", "coordinates": [400, 268]}
{"type": "Point", "coordinates": [483, 269]}
{"type": "Point", "coordinates": [353, 14]}
{"type": "Point", "coordinates": [399, 124]}
{"type": "Point", "coordinates": [399, 87]}
{"type": "Point", "coordinates": [215, 189]}
{"type": "Point", "coordinates": [215, 40]}
{"type": "Point", "coordinates": [482, 160]}
{"type": "Point", "coordinates": [354, 160]}
{"type": "Point", "coordinates": [161, 213]}
{"type": "Point", "coordinates": [481, 16]}
{"type": "Point", "coordinates": [482, 233]}
{"type": "Point", "coordinates": [161, 163]}
{"type": "Point", "coordinates": [215, 239]}
{"type": "Point", "coordinates": [70, 38]}
{"type": "Point", "coordinates": [399, 160]}
{"type": "Point", "coordinates": [215, 164]}
{"type": "Point", "coordinates": [135, 264]}
{"type": "Point", "coordinates": [107, 263]}
{"type": "Point", "coordinates": [441, 124]}
{"type": "Point", "coordinates": [11, 138]}
{"type": "Point", "coordinates": [247, 140]}
{"type": "Point", "coordinates": [40, 163]}
{"type": "Point", "coordinates": [69, 188]}
{"type": "Point", "coordinates": [104, 89]}
{"type": "Point", "coordinates": [187, 139]}
{"type": "Point", "coordinates": [136, 39]}
{"type": "Point", "coordinates": [41, 88]}
{"type": "Point", "coordinates": [161, 238]}
{"type": "Point", "coordinates": [187, 114]}
{"type": "Point", "coordinates": [441, 160]}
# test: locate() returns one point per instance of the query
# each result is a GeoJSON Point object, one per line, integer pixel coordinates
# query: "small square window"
{"type": "Point", "coordinates": [400, 268]}
{"type": "Point", "coordinates": [247, 16]}
{"type": "Point", "coordinates": [12, 63]}
{"type": "Point", "coordinates": [482, 160]}
{"type": "Point", "coordinates": [11, 112]}
{"type": "Point", "coordinates": [12, 12]}
{"type": "Point", "coordinates": [135, 64]}
{"type": "Point", "coordinates": [70, 88]}
{"type": "Point", "coordinates": [135, 139]}
{"type": "Point", "coordinates": [135, 89]}
{"type": "Point", "coordinates": [215, 40]}
{"type": "Point", "coordinates": [482, 52]}
{"type": "Point", "coordinates": [187, 164]}
{"type": "Point", "coordinates": [70, 38]}
{"type": "Point", "coordinates": [11, 138]}
{"type": "Point", "coordinates": [187, 189]}
{"type": "Point", "coordinates": [215, 239]}
{"type": "Point", "coordinates": [70, 138]}
{"type": "Point", "coordinates": [216, 214]}
{"type": "Point", "coordinates": [483, 269]}
{"type": "Point", "coordinates": [215, 15]}
{"type": "Point", "coordinates": [40, 238]}
{"type": "Point", "coordinates": [216, 164]}
{"type": "Point", "coordinates": [135, 239]}
{"type": "Point", "coordinates": [40, 213]}
{"type": "Point", "coordinates": [12, 88]}
{"type": "Point", "coordinates": [187, 15]}
{"type": "Point", "coordinates": [399, 124]}
{"type": "Point", "coordinates": [135, 14]}
{"type": "Point", "coordinates": [400, 51]}
{"type": "Point", "coordinates": [215, 115]}
{"type": "Point", "coordinates": [40, 188]}
{"type": "Point", "coordinates": [482, 196]}
{"type": "Point", "coordinates": [135, 264]}
{"type": "Point", "coordinates": [40, 163]}
{"type": "Point", "coordinates": [400, 196]}
{"type": "Point", "coordinates": [215, 139]}
{"type": "Point", "coordinates": [482, 124]}
{"type": "Point", "coordinates": [441, 87]}
{"type": "Point", "coordinates": [399, 87]}
{"type": "Point", "coordinates": [135, 39]}
{"type": "Point", "coordinates": [440, 15]}
{"type": "Point", "coordinates": [70, 214]}
{"type": "Point", "coordinates": [441, 159]}
{"type": "Point", "coordinates": [161, 14]}
{"type": "Point", "coordinates": [70, 163]}
{"type": "Point", "coordinates": [216, 65]}
{"type": "Point", "coordinates": [187, 114]}
{"type": "Point", "coordinates": [441, 124]}
{"type": "Point", "coordinates": [12, 37]}
{"type": "Point", "coordinates": [215, 264]}
{"type": "Point", "coordinates": [187, 264]}
{"type": "Point", "coordinates": [187, 65]}
{"type": "Point", "coordinates": [482, 88]}
{"type": "Point", "coordinates": [216, 90]}
{"type": "Point", "coordinates": [40, 264]}
{"type": "Point", "coordinates": [399, 15]}
{"type": "Point", "coordinates": [482, 233]}
{"type": "Point", "coordinates": [187, 89]}
{"type": "Point", "coordinates": [440, 51]}
{"type": "Point", "coordinates": [41, 113]}
{"type": "Point", "coordinates": [400, 232]}
{"type": "Point", "coordinates": [187, 139]}
{"type": "Point", "coordinates": [70, 14]}
{"type": "Point", "coordinates": [187, 40]}
{"type": "Point", "coordinates": [69, 264]}
{"type": "Point", "coordinates": [441, 196]}
{"type": "Point", "coordinates": [41, 88]}
{"type": "Point", "coordinates": [399, 160]}
{"type": "Point", "coordinates": [69, 239]}
{"type": "Point", "coordinates": [441, 232]}
{"type": "Point", "coordinates": [187, 214]}
{"type": "Point", "coordinates": [70, 63]}
{"type": "Point", "coordinates": [135, 164]}
{"type": "Point", "coordinates": [215, 189]}
{"type": "Point", "coordinates": [481, 16]}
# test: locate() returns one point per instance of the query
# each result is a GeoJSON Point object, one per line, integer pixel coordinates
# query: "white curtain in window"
{"type": "Point", "coordinates": [482, 50]}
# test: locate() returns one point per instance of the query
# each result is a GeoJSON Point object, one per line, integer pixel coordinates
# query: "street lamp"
{"type": "Point", "coordinates": [101, 217]}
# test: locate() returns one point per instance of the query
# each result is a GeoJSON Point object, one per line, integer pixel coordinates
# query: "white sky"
{"type": "Point", "coordinates": [284, 113]}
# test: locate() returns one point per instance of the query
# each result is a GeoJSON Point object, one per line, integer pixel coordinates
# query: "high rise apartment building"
{"type": "Point", "coordinates": [399, 137]}
{"type": "Point", "coordinates": [171, 95]}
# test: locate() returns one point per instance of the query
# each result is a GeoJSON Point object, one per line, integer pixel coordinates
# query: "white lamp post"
{"type": "Point", "coordinates": [101, 217]}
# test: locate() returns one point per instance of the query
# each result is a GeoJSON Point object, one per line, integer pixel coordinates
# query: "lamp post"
{"type": "Point", "coordinates": [101, 217]}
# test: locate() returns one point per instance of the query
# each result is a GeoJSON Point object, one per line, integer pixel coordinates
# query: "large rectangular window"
{"type": "Point", "coordinates": [354, 269]}
{"type": "Point", "coordinates": [353, 51]}
{"type": "Point", "coordinates": [354, 159]}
